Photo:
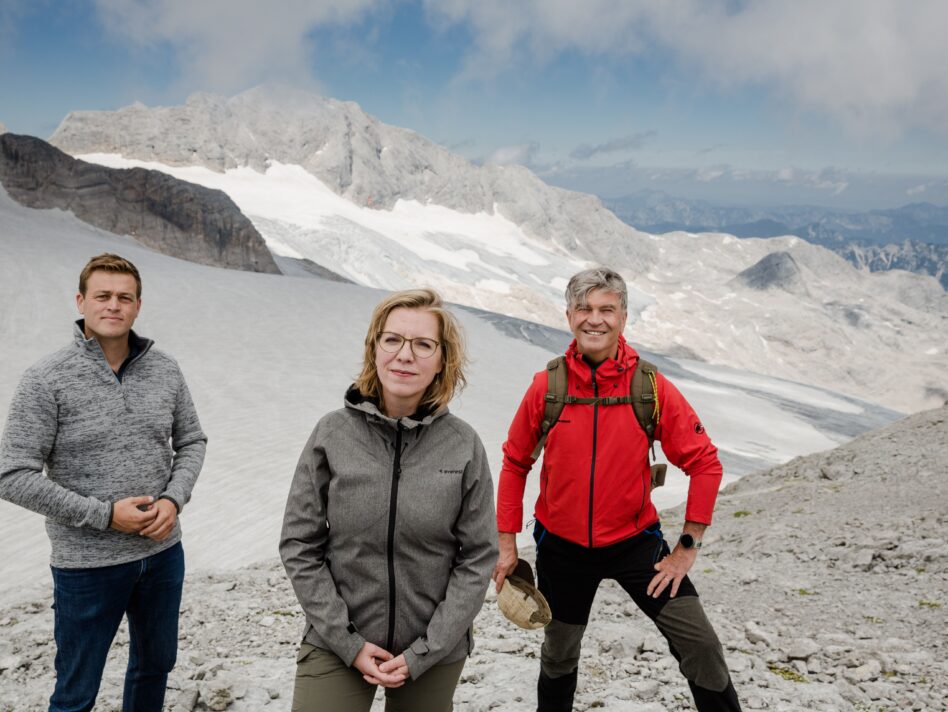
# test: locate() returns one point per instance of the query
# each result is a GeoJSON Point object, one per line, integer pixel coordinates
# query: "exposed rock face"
{"type": "Point", "coordinates": [909, 255]}
{"type": "Point", "coordinates": [778, 270]}
{"type": "Point", "coordinates": [166, 214]}
{"type": "Point", "coordinates": [356, 155]}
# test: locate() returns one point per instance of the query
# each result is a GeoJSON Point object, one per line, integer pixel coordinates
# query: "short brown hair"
{"type": "Point", "coordinates": [107, 262]}
{"type": "Point", "coordinates": [451, 378]}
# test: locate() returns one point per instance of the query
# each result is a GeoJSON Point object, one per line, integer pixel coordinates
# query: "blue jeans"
{"type": "Point", "coordinates": [89, 605]}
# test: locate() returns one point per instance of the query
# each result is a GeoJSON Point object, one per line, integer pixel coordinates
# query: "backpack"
{"type": "Point", "coordinates": [643, 396]}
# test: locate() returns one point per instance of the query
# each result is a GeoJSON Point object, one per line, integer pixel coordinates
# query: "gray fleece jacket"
{"type": "Point", "coordinates": [389, 534]}
{"type": "Point", "coordinates": [99, 440]}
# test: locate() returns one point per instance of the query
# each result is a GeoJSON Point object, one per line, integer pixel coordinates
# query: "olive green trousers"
{"type": "Point", "coordinates": [325, 684]}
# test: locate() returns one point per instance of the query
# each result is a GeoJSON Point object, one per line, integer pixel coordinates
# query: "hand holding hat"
{"type": "Point", "coordinates": [521, 602]}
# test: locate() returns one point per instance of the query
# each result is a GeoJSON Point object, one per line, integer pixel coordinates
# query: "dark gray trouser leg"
{"type": "Point", "coordinates": [559, 664]}
{"type": "Point", "coordinates": [559, 654]}
{"type": "Point", "coordinates": [689, 632]}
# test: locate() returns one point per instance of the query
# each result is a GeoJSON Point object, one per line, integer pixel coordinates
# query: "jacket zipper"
{"type": "Point", "coordinates": [393, 506]}
{"type": "Point", "coordinates": [592, 471]}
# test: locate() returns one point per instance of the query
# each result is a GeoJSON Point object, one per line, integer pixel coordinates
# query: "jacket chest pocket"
{"type": "Point", "coordinates": [429, 502]}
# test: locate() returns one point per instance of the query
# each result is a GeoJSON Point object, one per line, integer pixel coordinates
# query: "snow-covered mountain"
{"type": "Point", "coordinates": [384, 207]}
{"type": "Point", "coordinates": [369, 163]}
{"type": "Point", "coordinates": [267, 355]}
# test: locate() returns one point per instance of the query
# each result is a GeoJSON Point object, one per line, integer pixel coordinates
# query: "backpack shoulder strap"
{"type": "Point", "coordinates": [644, 392]}
{"type": "Point", "coordinates": [648, 410]}
{"type": "Point", "coordinates": [554, 401]}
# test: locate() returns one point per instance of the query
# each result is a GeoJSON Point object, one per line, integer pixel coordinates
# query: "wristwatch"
{"type": "Point", "coordinates": [689, 542]}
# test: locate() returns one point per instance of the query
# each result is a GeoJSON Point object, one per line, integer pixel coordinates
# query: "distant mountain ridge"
{"type": "Point", "coordinates": [356, 155]}
{"type": "Point", "coordinates": [510, 242]}
{"type": "Point", "coordinates": [913, 237]}
{"type": "Point", "coordinates": [169, 215]}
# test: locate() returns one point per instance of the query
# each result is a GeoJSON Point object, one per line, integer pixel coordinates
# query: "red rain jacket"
{"type": "Point", "coordinates": [595, 479]}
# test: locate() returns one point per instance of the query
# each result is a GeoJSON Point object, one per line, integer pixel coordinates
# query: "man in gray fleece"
{"type": "Point", "coordinates": [110, 420]}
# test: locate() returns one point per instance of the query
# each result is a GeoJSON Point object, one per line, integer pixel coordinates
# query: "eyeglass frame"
{"type": "Point", "coordinates": [411, 343]}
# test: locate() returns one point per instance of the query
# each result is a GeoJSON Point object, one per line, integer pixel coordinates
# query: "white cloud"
{"type": "Point", "coordinates": [584, 151]}
{"type": "Point", "coordinates": [228, 44]}
{"type": "Point", "coordinates": [522, 154]}
{"type": "Point", "coordinates": [706, 175]}
{"type": "Point", "coordinates": [916, 190]}
{"type": "Point", "coordinates": [876, 66]}
{"type": "Point", "coordinates": [831, 180]}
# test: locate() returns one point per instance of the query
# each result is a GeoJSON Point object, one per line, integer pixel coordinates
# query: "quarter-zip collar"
{"type": "Point", "coordinates": [138, 346]}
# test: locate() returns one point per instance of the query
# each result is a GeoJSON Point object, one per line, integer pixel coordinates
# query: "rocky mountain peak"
{"type": "Point", "coordinates": [777, 270]}
{"type": "Point", "coordinates": [357, 156]}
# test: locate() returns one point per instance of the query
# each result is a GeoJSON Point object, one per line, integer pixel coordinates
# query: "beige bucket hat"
{"type": "Point", "coordinates": [520, 600]}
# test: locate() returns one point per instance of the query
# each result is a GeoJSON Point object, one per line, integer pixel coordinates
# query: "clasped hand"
{"type": "Point", "coordinates": [144, 516]}
{"type": "Point", "coordinates": [380, 667]}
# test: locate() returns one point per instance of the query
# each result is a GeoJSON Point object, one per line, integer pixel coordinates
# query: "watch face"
{"type": "Point", "coordinates": [687, 541]}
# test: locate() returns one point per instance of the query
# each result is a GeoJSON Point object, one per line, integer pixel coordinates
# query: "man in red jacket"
{"type": "Point", "coordinates": [594, 516]}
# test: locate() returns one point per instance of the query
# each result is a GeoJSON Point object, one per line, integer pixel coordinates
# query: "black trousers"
{"type": "Point", "coordinates": [569, 575]}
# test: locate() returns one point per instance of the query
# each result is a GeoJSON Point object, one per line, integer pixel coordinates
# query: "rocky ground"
{"type": "Point", "coordinates": [825, 577]}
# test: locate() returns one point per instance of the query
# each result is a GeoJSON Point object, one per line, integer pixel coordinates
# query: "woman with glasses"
{"type": "Point", "coordinates": [389, 535]}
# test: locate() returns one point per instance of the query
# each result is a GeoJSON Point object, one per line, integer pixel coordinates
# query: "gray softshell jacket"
{"type": "Point", "coordinates": [389, 534]}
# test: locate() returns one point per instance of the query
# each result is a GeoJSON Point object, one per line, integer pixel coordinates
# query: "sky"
{"type": "Point", "coordinates": [757, 102]}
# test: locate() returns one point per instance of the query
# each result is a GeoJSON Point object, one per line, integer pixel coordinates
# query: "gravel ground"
{"type": "Point", "coordinates": [825, 578]}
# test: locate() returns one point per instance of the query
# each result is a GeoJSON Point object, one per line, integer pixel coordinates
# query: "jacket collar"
{"type": "Point", "coordinates": [425, 415]}
{"type": "Point", "coordinates": [625, 360]}
{"type": "Point", "coordinates": [138, 345]}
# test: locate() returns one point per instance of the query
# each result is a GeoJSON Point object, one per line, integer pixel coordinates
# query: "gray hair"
{"type": "Point", "coordinates": [602, 278]}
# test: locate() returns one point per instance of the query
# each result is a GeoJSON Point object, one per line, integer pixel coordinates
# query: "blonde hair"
{"type": "Point", "coordinates": [450, 379]}
{"type": "Point", "coordinates": [107, 262]}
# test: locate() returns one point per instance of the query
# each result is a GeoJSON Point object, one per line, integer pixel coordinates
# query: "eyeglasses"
{"type": "Point", "coordinates": [420, 346]}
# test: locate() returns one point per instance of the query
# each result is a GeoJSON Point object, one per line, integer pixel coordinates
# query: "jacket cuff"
{"type": "Point", "coordinates": [108, 521]}
{"type": "Point", "coordinates": [509, 520]}
{"type": "Point", "coordinates": [417, 658]}
{"type": "Point", "coordinates": [702, 494]}
{"type": "Point", "coordinates": [173, 501]}
{"type": "Point", "coordinates": [349, 649]}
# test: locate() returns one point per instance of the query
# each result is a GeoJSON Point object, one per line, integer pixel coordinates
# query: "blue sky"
{"type": "Point", "coordinates": [839, 103]}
